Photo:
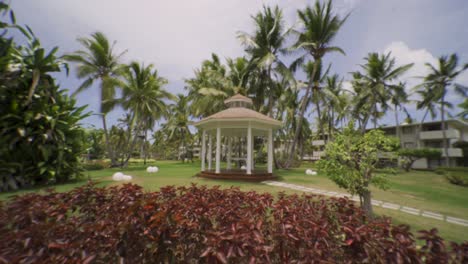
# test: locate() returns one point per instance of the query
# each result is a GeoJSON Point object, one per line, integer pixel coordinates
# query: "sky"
{"type": "Point", "coordinates": [177, 35]}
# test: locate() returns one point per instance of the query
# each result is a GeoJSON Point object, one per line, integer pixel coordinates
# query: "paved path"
{"type": "Point", "coordinates": [392, 206]}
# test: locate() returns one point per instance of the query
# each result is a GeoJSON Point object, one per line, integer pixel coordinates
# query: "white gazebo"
{"type": "Point", "coordinates": [238, 123]}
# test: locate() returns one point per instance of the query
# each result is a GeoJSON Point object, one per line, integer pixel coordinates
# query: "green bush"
{"type": "Point", "coordinates": [96, 165]}
{"type": "Point", "coordinates": [457, 178]}
{"type": "Point", "coordinates": [409, 156]}
{"type": "Point", "coordinates": [40, 137]}
{"type": "Point", "coordinates": [455, 175]}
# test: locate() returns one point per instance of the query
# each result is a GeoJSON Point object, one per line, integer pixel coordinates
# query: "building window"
{"type": "Point", "coordinates": [408, 145]}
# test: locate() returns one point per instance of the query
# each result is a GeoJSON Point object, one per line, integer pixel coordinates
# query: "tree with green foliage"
{"type": "Point", "coordinates": [264, 47]}
{"type": "Point", "coordinates": [320, 26]}
{"type": "Point", "coordinates": [99, 62]}
{"type": "Point", "coordinates": [374, 87]}
{"type": "Point", "coordinates": [351, 160]}
{"type": "Point", "coordinates": [409, 156]}
{"type": "Point", "coordinates": [440, 79]}
{"type": "Point", "coordinates": [40, 137]}
{"type": "Point", "coordinates": [143, 96]}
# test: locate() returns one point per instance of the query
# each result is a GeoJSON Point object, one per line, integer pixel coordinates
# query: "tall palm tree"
{"type": "Point", "coordinates": [428, 102]}
{"type": "Point", "coordinates": [144, 97]}
{"type": "Point", "coordinates": [375, 85]}
{"type": "Point", "coordinates": [264, 47]}
{"type": "Point", "coordinates": [98, 61]}
{"type": "Point", "coordinates": [177, 125]}
{"type": "Point", "coordinates": [209, 88]}
{"type": "Point", "coordinates": [441, 78]}
{"type": "Point", "coordinates": [320, 28]}
{"type": "Point", "coordinates": [398, 98]}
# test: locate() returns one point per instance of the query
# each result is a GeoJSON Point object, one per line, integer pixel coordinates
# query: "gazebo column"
{"type": "Point", "coordinates": [270, 150]}
{"type": "Point", "coordinates": [210, 141]}
{"type": "Point", "coordinates": [249, 150]}
{"type": "Point", "coordinates": [229, 153]}
{"type": "Point", "coordinates": [218, 150]}
{"type": "Point", "coordinates": [203, 150]}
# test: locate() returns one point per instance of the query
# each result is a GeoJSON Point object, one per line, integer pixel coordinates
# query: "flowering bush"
{"type": "Point", "coordinates": [207, 225]}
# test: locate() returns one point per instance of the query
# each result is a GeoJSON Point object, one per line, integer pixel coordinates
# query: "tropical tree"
{"type": "Point", "coordinates": [211, 86]}
{"type": "Point", "coordinates": [98, 61]}
{"type": "Point", "coordinates": [335, 101]}
{"type": "Point", "coordinates": [351, 162]}
{"type": "Point", "coordinates": [320, 26]}
{"type": "Point", "coordinates": [40, 137]}
{"type": "Point", "coordinates": [264, 47]}
{"type": "Point", "coordinates": [440, 79]}
{"type": "Point", "coordinates": [143, 96]}
{"type": "Point", "coordinates": [464, 109]}
{"type": "Point", "coordinates": [398, 98]}
{"type": "Point", "coordinates": [374, 85]}
{"type": "Point", "coordinates": [177, 125]}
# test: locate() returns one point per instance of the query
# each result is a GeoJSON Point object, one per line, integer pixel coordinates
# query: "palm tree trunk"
{"type": "Point", "coordinates": [305, 101]}
{"type": "Point", "coordinates": [397, 124]}
{"type": "Point", "coordinates": [444, 134]}
{"type": "Point", "coordinates": [110, 151]}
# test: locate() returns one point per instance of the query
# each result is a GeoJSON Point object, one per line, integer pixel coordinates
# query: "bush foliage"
{"type": "Point", "coordinates": [409, 156]}
{"type": "Point", "coordinates": [204, 225]}
{"type": "Point", "coordinates": [455, 175]}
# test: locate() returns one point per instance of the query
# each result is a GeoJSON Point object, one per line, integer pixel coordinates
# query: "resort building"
{"type": "Point", "coordinates": [417, 135]}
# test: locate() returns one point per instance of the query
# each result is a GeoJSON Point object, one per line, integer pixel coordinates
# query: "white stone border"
{"type": "Point", "coordinates": [386, 205]}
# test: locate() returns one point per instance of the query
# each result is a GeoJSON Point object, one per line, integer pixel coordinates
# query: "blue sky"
{"type": "Point", "coordinates": [176, 36]}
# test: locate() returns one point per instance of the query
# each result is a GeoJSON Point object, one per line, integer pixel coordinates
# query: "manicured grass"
{"type": "Point", "coordinates": [424, 190]}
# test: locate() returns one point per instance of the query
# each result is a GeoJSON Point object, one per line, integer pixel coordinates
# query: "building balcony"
{"type": "Point", "coordinates": [452, 152]}
{"type": "Point", "coordinates": [438, 134]}
{"type": "Point", "coordinates": [319, 142]}
{"type": "Point", "coordinates": [318, 154]}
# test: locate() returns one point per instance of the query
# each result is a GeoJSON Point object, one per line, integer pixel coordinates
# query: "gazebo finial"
{"type": "Point", "coordinates": [238, 100]}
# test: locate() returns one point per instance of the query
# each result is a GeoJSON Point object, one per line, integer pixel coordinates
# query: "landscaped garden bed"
{"type": "Point", "coordinates": [201, 224]}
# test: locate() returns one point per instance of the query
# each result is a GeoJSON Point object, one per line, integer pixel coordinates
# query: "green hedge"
{"type": "Point", "coordinates": [455, 175]}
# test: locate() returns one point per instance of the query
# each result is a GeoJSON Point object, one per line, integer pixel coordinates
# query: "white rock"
{"type": "Point", "coordinates": [314, 173]}
{"type": "Point", "coordinates": [243, 167]}
{"type": "Point", "coordinates": [126, 178]}
{"type": "Point", "coordinates": [117, 176]}
{"type": "Point", "coordinates": [151, 169]}
{"type": "Point", "coordinates": [310, 172]}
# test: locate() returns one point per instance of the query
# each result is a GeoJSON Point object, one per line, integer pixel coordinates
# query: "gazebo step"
{"type": "Point", "coordinates": [238, 175]}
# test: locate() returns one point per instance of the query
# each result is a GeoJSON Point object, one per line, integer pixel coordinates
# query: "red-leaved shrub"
{"type": "Point", "coordinates": [204, 225]}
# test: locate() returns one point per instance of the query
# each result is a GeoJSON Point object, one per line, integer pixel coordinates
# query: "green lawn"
{"type": "Point", "coordinates": [424, 190]}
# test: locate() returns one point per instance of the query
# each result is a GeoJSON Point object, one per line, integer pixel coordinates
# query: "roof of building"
{"type": "Point", "coordinates": [238, 98]}
{"type": "Point", "coordinates": [239, 114]}
{"type": "Point", "coordinates": [455, 121]}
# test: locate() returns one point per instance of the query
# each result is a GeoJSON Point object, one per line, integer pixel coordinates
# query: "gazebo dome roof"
{"type": "Point", "coordinates": [239, 112]}
{"type": "Point", "coordinates": [238, 98]}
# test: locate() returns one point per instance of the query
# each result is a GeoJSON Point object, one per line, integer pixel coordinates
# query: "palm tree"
{"type": "Point", "coordinates": [464, 107]}
{"type": "Point", "coordinates": [177, 125]}
{"type": "Point", "coordinates": [209, 88]}
{"type": "Point", "coordinates": [320, 28]}
{"type": "Point", "coordinates": [441, 78]}
{"type": "Point", "coordinates": [99, 62]}
{"type": "Point", "coordinates": [264, 47]}
{"type": "Point", "coordinates": [144, 97]}
{"type": "Point", "coordinates": [374, 85]}
{"type": "Point", "coordinates": [398, 97]}
{"type": "Point", "coordinates": [428, 102]}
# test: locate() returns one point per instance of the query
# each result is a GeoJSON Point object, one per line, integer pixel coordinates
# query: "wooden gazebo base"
{"type": "Point", "coordinates": [241, 175]}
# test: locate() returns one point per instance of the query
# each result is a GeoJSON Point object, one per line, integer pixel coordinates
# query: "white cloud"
{"type": "Point", "coordinates": [405, 55]}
